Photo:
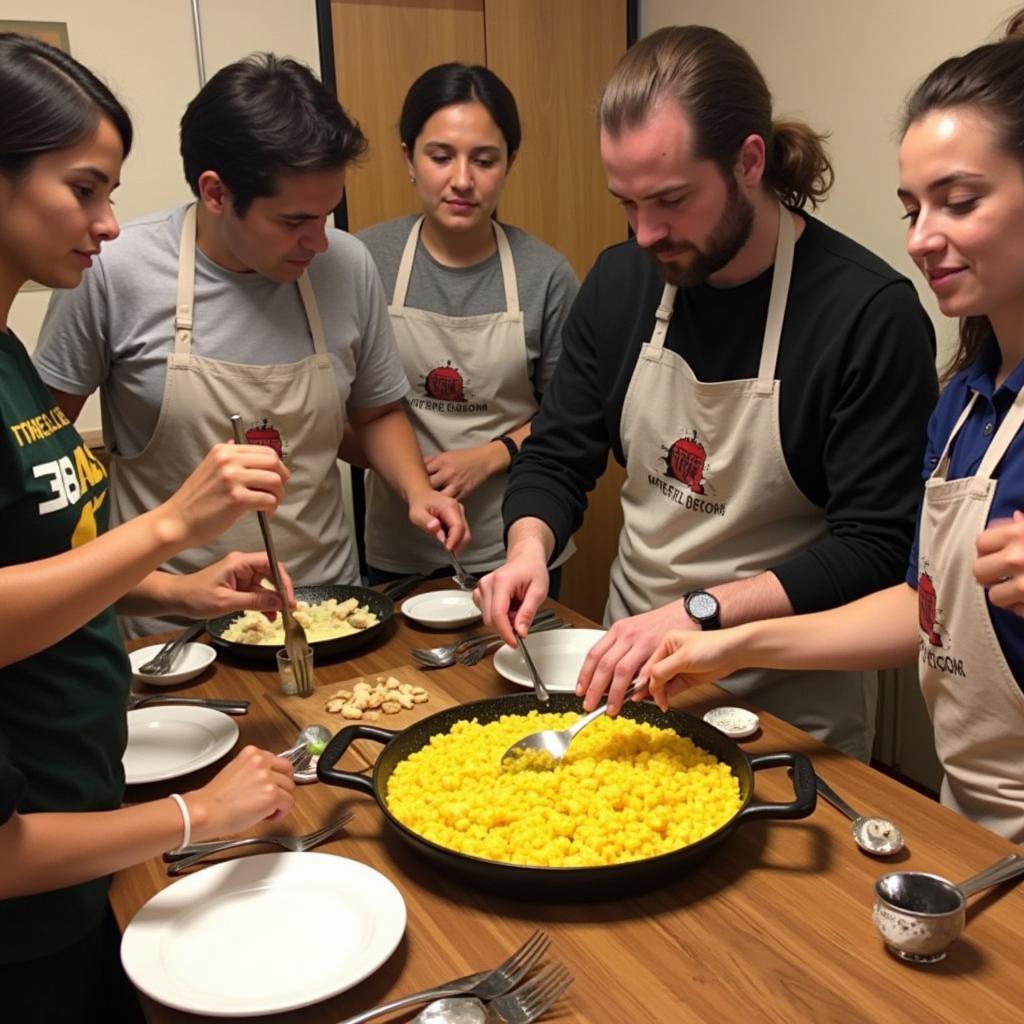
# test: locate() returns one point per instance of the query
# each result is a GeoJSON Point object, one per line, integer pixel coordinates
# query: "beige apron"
{"type": "Point", "coordinates": [469, 383]}
{"type": "Point", "coordinates": [708, 498]}
{"type": "Point", "coordinates": [976, 705]}
{"type": "Point", "coordinates": [292, 407]}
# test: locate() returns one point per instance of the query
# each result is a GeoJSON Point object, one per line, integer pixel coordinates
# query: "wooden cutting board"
{"type": "Point", "coordinates": [312, 710]}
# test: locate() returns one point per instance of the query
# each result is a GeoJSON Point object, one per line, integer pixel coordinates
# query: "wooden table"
{"type": "Point", "coordinates": [774, 926]}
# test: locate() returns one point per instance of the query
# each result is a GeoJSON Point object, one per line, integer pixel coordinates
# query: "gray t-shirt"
{"type": "Point", "coordinates": [116, 329]}
{"type": "Point", "coordinates": [547, 287]}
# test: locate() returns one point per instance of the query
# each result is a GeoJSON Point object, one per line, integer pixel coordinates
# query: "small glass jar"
{"type": "Point", "coordinates": [286, 670]}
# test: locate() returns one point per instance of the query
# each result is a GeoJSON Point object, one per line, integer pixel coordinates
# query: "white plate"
{"type": "Point", "coordinates": [263, 934]}
{"type": "Point", "coordinates": [442, 609]}
{"type": "Point", "coordinates": [558, 656]}
{"type": "Point", "coordinates": [192, 659]}
{"type": "Point", "coordinates": [165, 742]}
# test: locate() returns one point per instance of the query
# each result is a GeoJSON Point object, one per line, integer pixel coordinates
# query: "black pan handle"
{"type": "Point", "coordinates": [335, 750]}
{"type": "Point", "coordinates": [803, 777]}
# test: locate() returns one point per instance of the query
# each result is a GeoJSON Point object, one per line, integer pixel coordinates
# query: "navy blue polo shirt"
{"type": "Point", "coordinates": [969, 446]}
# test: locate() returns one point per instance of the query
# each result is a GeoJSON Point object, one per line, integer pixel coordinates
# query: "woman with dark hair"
{"type": "Point", "coordinates": [959, 611]}
{"type": "Point", "coordinates": [477, 309]}
{"type": "Point", "coordinates": [64, 675]}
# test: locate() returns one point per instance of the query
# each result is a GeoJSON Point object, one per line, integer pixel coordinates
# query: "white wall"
{"type": "Point", "coordinates": [846, 68]}
{"type": "Point", "coordinates": [145, 51]}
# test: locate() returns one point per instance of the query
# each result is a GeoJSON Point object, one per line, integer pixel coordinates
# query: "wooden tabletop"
{"type": "Point", "coordinates": [774, 926]}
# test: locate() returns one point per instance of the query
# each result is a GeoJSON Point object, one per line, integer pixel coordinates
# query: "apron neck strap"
{"type": "Point", "coordinates": [186, 283]}
{"type": "Point", "coordinates": [1004, 435]}
{"type": "Point", "coordinates": [508, 267]}
{"type": "Point", "coordinates": [781, 276]}
{"type": "Point", "coordinates": [184, 310]}
{"type": "Point", "coordinates": [662, 316]}
{"type": "Point", "coordinates": [942, 466]}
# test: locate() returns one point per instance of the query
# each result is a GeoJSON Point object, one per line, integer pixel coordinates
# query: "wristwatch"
{"type": "Point", "coordinates": [703, 608]}
{"type": "Point", "coordinates": [511, 447]}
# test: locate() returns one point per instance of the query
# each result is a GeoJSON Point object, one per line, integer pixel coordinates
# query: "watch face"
{"type": "Point", "coordinates": [702, 606]}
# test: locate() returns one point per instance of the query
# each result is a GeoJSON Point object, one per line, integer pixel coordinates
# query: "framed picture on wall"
{"type": "Point", "coordinates": [56, 34]}
{"type": "Point", "coordinates": [53, 32]}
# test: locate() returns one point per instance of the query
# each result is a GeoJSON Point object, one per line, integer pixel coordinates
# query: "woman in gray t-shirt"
{"type": "Point", "coordinates": [477, 308]}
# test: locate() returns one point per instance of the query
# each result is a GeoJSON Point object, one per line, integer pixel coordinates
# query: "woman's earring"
{"type": "Point", "coordinates": [412, 179]}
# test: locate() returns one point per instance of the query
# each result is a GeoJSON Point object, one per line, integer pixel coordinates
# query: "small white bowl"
{"type": "Point", "coordinates": [442, 609]}
{"type": "Point", "coordinates": [191, 660]}
{"type": "Point", "coordinates": [736, 723]}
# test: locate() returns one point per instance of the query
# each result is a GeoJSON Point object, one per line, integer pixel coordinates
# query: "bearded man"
{"type": "Point", "coordinates": [765, 381]}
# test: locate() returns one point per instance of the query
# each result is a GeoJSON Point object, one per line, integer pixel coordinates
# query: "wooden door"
{"type": "Point", "coordinates": [380, 48]}
{"type": "Point", "coordinates": [555, 56]}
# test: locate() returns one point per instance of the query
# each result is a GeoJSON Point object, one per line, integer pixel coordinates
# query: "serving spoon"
{"type": "Point", "coordinates": [877, 836]}
{"type": "Point", "coordinates": [554, 743]}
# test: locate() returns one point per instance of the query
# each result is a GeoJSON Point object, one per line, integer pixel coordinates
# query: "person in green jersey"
{"type": "Point", "coordinates": [64, 674]}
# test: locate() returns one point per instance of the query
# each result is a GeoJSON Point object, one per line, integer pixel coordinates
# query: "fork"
{"type": "Point", "coordinates": [488, 985]}
{"type": "Point", "coordinates": [522, 1006]}
{"type": "Point", "coordinates": [165, 658]}
{"type": "Point", "coordinates": [474, 655]}
{"type": "Point", "coordinates": [295, 642]}
{"type": "Point", "coordinates": [443, 656]}
{"type": "Point", "coordinates": [464, 579]}
{"type": "Point", "coordinates": [181, 859]}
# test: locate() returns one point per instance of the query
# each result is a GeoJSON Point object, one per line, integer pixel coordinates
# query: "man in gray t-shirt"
{"type": "Point", "coordinates": [246, 302]}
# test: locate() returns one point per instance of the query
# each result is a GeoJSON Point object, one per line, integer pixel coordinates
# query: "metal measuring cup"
{"type": "Point", "coordinates": [920, 915]}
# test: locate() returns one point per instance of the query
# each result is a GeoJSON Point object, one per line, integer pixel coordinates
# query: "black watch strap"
{"type": "Point", "coordinates": [510, 446]}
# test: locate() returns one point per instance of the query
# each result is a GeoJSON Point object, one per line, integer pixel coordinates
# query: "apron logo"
{"type": "Point", "coordinates": [445, 384]}
{"type": "Point", "coordinates": [267, 434]}
{"type": "Point", "coordinates": [931, 625]}
{"type": "Point", "coordinates": [926, 609]}
{"type": "Point", "coordinates": [444, 389]}
{"type": "Point", "coordinates": [685, 461]}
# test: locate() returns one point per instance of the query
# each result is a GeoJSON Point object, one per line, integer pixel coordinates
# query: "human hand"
{"type": "Point", "coordinates": [232, 479]}
{"type": "Point", "coordinates": [232, 584]}
{"type": "Point", "coordinates": [689, 657]}
{"type": "Point", "coordinates": [510, 596]}
{"type": "Point", "coordinates": [255, 786]}
{"type": "Point", "coordinates": [460, 472]}
{"type": "Point", "coordinates": [616, 659]}
{"type": "Point", "coordinates": [441, 517]}
{"type": "Point", "coordinates": [999, 566]}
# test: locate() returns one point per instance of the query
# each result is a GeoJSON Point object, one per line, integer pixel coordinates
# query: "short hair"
{"type": "Point", "coordinates": [448, 84]}
{"type": "Point", "coordinates": [50, 102]}
{"type": "Point", "coordinates": [716, 83]}
{"type": "Point", "coordinates": [262, 117]}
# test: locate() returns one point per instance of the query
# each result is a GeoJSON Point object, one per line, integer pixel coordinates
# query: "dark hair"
{"type": "Point", "coordinates": [989, 79]}
{"type": "Point", "coordinates": [448, 84]}
{"type": "Point", "coordinates": [719, 87]}
{"type": "Point", "coordinates": [261, 117]}
{"type": "Point", "coordinates": [49, 102]}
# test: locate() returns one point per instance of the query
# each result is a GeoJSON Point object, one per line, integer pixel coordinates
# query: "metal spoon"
{"type": "Point", "coordinates": [460, 1010]}
{"type": "Point", "coordinates": [877, 836]}
{"type": "Point", "coordinates": [555, 742]}
{"type": "Point", "coordinates": [316, 735]}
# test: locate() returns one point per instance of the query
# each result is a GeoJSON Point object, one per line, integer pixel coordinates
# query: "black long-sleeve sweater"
{"type": "Point", "coordinates": [858, 383]}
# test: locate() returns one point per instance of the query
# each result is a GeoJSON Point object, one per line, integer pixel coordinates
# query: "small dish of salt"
{"type": "Point", "coordinates": [737, 723]}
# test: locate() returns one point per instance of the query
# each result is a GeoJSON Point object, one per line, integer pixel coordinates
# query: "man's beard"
{"type": "Point", "coordinates": [729, 235]}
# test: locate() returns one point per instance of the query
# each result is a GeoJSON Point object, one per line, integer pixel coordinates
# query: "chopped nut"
{"type": "Point", "coordinates": [420, 698]}
{"type": "Point", "coordinates": [405, 700]}
{"type": "Point", "coordinates": [391, 707]}
{"type": "Point", "coordinates": [334, 706]}
{"type": "Point", "coordinates": [371, 716]}
{"type": "Point", "coordinates": [351, 712]}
